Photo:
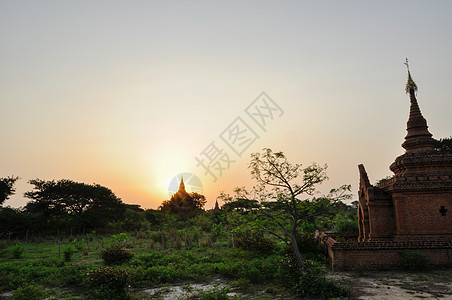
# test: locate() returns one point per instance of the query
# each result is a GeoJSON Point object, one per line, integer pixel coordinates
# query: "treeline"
{"type": "Point", "coordinates": [68, 207]}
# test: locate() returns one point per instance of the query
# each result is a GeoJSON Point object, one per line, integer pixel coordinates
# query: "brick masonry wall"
{"type": "Point", "coordinates": [343, 259]}
{"type": "Point", "coordinates": [384, 253]}
{"type": "Point", "coordinates": [382, 225]}
{"type": "Point", "coordinates": [419, 214]}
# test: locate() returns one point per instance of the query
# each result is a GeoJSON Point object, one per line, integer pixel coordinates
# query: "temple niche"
{"type": "Point", "coordinates": [409, 211]}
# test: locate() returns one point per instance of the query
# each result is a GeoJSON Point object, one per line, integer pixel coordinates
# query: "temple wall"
{"type": "Point", "coordinates": [379, 254]}
{"type": "Point", "coordinates": [382, 221]}
{"type": "Point", "coordinates": [419, 214]}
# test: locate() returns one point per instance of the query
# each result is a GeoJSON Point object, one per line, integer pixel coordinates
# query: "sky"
{"type": "Point", "coordinates": [129, 94]}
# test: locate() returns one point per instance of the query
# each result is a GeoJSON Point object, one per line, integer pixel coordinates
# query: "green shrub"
{"type": "Point", "coordinates": [216, 231]}
{"type": "Point", "coordinates": [288, 272]}
{"type": "Point", "coordinates": [413, 260]}
{"type": "Point", "coordinates": [68, 252]}
{"type": "Point", "coordinates": [444, 145]}
{"type": "Point", "coordinates": [361, 268]}
{"type": "Point", "coordinates": [17, 251]}
{"type": "Point", "coordinates": [155, 236]}
{"type": "Point", "coordinates": [310, 248]}
{"type": "Point", "coordinates": [118, 239]}
{"type": "Point", "coordinates": [242, 283]}
{"type": "Point", "coordinates": [311, 282]}
{"type": "Point", "coordinates": [256, 242]}
{"type": "Point", "coordinates": [116, 254]}
{"type": "Point", "coordinates": [107, 283]}
{"type": "Point", "coordinates": [346, 225]}
{"type": "Point", "coordinates": [74, 273]}
{"type": "Point", "coordinates": [3, 246]}
{"type": "Point", "coordinates": [80, 245]}
{"type": "Point", "coordinates": [215, 294]}
{"type": "Point", "coordinates": [308, 227]}
{"type": "Point", "coordinates": [29, 292]}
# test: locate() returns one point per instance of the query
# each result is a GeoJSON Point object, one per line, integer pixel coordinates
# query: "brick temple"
{"type": "Point", "coordinates": [411, 211]}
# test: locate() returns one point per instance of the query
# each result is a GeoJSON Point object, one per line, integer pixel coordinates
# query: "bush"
{"type": "Point", "coordinates": [80, 245]}
{"type": "Point", "coordinates": [256, 242]}
{"type": "Point", "coordinates": [74, 274]}
{"type": "Point", "coordinates": [310, 248]}
{"type": "Point", "coordinates": [313, 284]}
{"type": "Point", "coordinates": [29, 292]}
{"type": "Point", "coordinates": [17, 251]}
{"type": "Point", "coordinates": [361, 268]}
{"type": "Point", "coordinates": [107, 283]}
{"type": "Point", "coordinates": [116, 255]}
{"type": "Point", "coordinates": [346, 225]}
{"type": "Point", "coordinates": [3, 246]}
{"type": "Point", "coordinates": [308, 227]}
{"type": "Point", "coordinates": [118, 239]}
{"type": "Point", "coordinates": [413, 260]}
{"type": "Point", "coordinates": [310, 283]}
{"type": "Point", "coordinates": [215, 294]}
{"type": "Point", "coordinates": [68, 252]}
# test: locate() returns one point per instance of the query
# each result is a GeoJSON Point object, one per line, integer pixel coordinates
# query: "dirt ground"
{"type": "Point", "coordinates": [378, 285]}
{"type": "Point", "coordinates": [435, 284]}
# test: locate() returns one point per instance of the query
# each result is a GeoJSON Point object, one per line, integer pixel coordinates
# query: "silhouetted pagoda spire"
{"type": "Point", "coordinates": [182, 185]}
{"type": "Point", "coordinates": [418, 138]}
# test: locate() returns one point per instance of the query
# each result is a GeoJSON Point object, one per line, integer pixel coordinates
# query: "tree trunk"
{"type": "Point", "coordinates": [296, 252]}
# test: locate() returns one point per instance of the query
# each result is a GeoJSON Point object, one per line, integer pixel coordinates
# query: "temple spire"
{"type": "Point", "coordinates": [410, 85]}
{"type": "Point", "coordinates": [182, 185]}
{"type": "Point", "coordinates": [418, 137]}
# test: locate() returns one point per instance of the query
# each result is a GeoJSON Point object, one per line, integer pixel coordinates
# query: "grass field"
{"type": "Point", "coordinates": [174, 268]}
{"type": "Point", "coordinates": [43, 265]}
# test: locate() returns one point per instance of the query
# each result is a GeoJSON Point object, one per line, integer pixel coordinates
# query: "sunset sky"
{"type": "Point", "coordinates": [128, 94]}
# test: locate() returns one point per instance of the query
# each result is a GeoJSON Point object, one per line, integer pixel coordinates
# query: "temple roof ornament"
{"type": "Point", "coordinates": [410, 85]}
{"type": "Point", "coordinates": [418, 138]}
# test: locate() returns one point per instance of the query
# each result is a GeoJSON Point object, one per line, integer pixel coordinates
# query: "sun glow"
{"type": "Point", "coordinates": [167, 166]}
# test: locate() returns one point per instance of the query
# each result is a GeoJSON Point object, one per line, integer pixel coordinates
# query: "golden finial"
{"type": "Point", "coordinates": [410, 85]}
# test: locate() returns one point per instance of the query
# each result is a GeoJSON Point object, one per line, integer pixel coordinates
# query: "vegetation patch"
{"type": "Point", "coordinates": [107, 283]}
{"type": "Point", "coordinates": [414, 261]}
{"type": "Point", "coordinates": [116, 254]}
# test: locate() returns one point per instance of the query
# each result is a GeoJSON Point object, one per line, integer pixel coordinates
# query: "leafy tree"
{"type": "Point", "coordinates": [69, 203]}
{"type": "Point", "coordinates": [444, 145]}
{"type": "Point", "coordinates": [198, 200]}
{"type": "Point", "coordinates": [134, 218]}
{"type": "Point", "coordinates": [7, 188]}
{"type": "Point", "coordinates": [280, 184]}
{"type": "Point", "coordinates": [13, 221]}
{"type": "Point", "coordinates": [154, 217]}
{"type": "Point", "coordinates": [184, 203]}
{"type": "Point", "coordinates": [240, 202]}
